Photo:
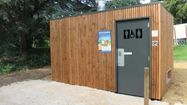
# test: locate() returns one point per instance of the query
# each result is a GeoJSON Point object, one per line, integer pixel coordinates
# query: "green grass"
{"type": "Point", "coordinates": [33, 59]}
{"type": "Point", "coordinates": [180, 53]}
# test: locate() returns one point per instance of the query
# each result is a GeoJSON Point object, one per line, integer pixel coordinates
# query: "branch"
{"type": "Point", "coordinates": [38, 7]}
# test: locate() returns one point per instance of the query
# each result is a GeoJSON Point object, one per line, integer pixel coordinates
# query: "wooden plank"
{"type": "Point", "coordinates": [89, 60]}
{"type": "Point", "coordinates": [94, 55]}
{"type": "Point", "coordinates": [101, 56]}
{"type": "Point", "coordinates": [52, 51]}
{"type": "Point", "coordinates": [64, 47]}
{"type": "Point", "coordinates": [110, 66]}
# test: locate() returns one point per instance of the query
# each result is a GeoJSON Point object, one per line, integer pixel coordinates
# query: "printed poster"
{"type": "Point", "coordinates": [104, 41]}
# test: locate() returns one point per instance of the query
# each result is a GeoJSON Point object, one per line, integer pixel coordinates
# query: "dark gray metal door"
{"type": "Point", "coordinates": [133, 54]}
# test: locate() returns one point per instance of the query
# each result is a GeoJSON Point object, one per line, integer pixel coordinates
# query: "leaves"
{"type": "Point", "coordinates": [178, 9]}
{"type": "Point", "coordinates": [120, 3]}
{"type": "Point", "coordinates": [24, 23]}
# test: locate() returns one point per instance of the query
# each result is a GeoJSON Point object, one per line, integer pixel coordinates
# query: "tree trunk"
{"type": "Point", "coordinates": [24, 44]}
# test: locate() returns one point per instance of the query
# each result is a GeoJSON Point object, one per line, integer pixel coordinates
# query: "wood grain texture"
{"type": "Point", "coordinates": [74, 52]}
{"type": "Point", "coordinates": [165, 49]}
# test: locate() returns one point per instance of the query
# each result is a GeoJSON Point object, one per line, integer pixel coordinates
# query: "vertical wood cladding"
{"type": "Point", "coordinates": [74, 52]}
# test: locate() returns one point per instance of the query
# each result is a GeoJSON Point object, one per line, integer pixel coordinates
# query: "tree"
{"type": "Point", "coordinates": [121, 3]}
{"type": "Point", "coordinates": [24, 23]}
{"type": "Point", "coordinates": [178, 8]}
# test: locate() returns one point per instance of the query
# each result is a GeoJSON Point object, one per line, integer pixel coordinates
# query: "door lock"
{"type": "Point", "coordinates": [121, 56]}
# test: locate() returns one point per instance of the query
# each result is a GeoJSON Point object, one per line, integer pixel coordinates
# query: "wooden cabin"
{"type": "Point", "coordinates": [108, 50]}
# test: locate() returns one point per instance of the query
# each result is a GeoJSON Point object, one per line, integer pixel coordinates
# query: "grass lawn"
{"type": "Point", "coordinates": [180, 53]}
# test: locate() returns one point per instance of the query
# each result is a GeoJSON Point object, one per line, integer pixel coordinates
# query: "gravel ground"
{"type": "Point", "coordinates": [44, 92]}
{"type": "Point", "coordinates": [23, 75]}
{"type": "Point", "coordinates": [15, 94]}
{"type": "Point", "coordinates": [178, 90]}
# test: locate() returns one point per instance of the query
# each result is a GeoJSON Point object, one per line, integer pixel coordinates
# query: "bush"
{"type": "Point", "coordinates": [34, 59]}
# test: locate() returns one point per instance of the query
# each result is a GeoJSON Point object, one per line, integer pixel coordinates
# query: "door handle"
{"type": "Point", "coordinates": [127, 53]}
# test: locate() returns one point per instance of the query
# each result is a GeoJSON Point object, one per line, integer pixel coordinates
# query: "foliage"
{"type": "Point", "coordinates": [25, 26]}
{"type": "Point", "coordinates": [180, 53]}
{"type": "Point", "coordinates": [74, 7]}
{"type": "Point", "coordinates": [36, 58]}
{"type": "Point", "coordinates": [120, 3]}
{"type": "Point", "coordinates": [178, 9]}
{"type": "Point", "coordinates": [24, 23]}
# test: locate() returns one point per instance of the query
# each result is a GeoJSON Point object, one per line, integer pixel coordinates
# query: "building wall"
{"type": "Point", "coordinates": [180, 31]}
{"type": "Point", "coordinates": [180, 34]}
{"type": "Point", "coordinates": [75, 58]}
{"type": "Point", "coordinates": [165, 50]}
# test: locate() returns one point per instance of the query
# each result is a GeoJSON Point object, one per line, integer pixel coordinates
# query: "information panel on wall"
{"type": "Point", "coordinates": [104, 41]}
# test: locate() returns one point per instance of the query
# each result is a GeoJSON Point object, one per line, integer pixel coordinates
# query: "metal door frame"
{"type": "Point", "coordinates": [116, 47]}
